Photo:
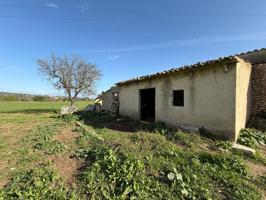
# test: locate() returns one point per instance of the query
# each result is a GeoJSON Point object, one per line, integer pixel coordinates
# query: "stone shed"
{"type": "Point", "coordinates": [220, 95]}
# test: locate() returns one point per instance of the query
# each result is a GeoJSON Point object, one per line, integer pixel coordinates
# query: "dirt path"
{"type": "Point", "coordinates": [67, 135]}
{"type": "Point", "coordinates": [66, 166]}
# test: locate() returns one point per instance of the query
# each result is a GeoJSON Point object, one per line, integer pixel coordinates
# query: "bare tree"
{"type": "Point", "coordinates": [72, 74]}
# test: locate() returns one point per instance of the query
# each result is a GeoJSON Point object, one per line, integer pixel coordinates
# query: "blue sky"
{"type": "Point", "coordinates": [124, 38]}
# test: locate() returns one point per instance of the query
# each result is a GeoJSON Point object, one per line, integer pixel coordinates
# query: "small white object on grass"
{"type": "Point", "coordinates": [67, 110]}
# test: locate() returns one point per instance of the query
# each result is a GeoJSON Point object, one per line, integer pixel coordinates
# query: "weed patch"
{"type": "Point", "coordinates": [40, 183]}
{"type": "Point", "coordinates": [113, 176]}
{"type": "Point", "coordinates": [42, 139]}
{"type": "Point", "coordinates": [69, 118]}
{"type": "Point", "coordinates": [252, 137]}
{"type": "Point", "coordinates": [184, 174]}
{"type": "Point", "coordinates": [160, 128]}
{"type": "Point", "coordinates": [224, 145]}
{"type": "Point", "coordinates": [97, 118]}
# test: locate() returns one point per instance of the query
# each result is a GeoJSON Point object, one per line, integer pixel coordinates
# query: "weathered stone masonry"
{"type": "Point", "coordinates": [258, 88]}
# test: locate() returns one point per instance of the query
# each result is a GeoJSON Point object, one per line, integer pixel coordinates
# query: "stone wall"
{"type": "Point", "coordinates": [258, 88]}
{"type": "Point", "coordinates": [109, 97]}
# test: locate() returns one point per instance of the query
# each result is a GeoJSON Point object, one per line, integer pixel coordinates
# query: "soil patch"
{"type": "Point", "coordinates": [256, 168]}
{"type": "Point", "coordinates": [66, 167]}
{"type": "Point", "coordinates": [3, 182]}
{"type": "Point", "coordinates": [66, 135]}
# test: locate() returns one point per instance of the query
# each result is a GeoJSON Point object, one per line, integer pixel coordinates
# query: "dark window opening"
{"type": "Point", "coordinates": [178, 98]}
{"type": "Point", "coordinates": [147, 104]}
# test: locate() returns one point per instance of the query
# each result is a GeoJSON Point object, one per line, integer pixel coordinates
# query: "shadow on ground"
{"type": "Point", "coordinates": [116, 123]}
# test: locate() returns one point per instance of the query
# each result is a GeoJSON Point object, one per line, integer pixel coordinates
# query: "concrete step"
{"type": "Point", "coordinates": [244, 149]}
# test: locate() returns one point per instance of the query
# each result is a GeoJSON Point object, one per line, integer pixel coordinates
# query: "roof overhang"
{"type": "Point", "coordinates": [186, 68]}
{"type": "Point", "coordinates": [253, 57]}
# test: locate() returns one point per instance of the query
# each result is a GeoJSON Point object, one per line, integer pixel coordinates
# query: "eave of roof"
{"type": "Point", "coordinates": [232, 58]}
{"type": "Point", "coordinates": [179, 69]}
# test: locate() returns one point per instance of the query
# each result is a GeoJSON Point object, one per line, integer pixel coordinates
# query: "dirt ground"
{"type": "Point", "coordinates": [66, 166]}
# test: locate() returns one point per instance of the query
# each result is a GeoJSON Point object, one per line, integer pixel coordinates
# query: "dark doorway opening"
{"type": "Point", "coordinates": [147, 104]}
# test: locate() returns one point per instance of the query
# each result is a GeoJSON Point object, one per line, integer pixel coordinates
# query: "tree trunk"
{"type": "Point", "coordinates": [71, 101]}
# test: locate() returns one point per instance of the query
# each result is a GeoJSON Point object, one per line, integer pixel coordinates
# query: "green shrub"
{"type": "Point", "coordinates": [252, 137]}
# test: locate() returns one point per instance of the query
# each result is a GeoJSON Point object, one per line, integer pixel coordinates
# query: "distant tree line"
{"type": "Point", "coordinates": [28, 97]}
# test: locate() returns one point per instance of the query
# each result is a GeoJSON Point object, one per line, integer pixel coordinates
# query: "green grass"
{"type": "Point", "coordinates": [36, 107]}
{"type": "Point", "coordinates": [149, 166]}
{"type": "Point", "coordinates": [39, 183]}
{"type": "Point", "coordinates": [18, 120]}
{"type": "Point", "coordinates": [145, 162]}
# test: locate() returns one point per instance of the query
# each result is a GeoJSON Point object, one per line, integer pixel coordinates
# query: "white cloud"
{"type": "Point", "coordinates": [51, 5]}
{"type": "Point", "coordinates": [10, 69]}
{"type": "Point", "coordinates": [85, 6]}
{"type": "Point", "coordinates": [186, 42]}
{"type": "Point", "coordinates": [113, 57]}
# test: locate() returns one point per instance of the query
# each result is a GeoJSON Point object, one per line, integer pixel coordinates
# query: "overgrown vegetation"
{"type": "Point", "coordinates": [252, 137]}
{"type": "Point", "coordinates": [152, 162]}
{"type": "Point", "coordinates": [114, 174]}
{"type": "Point", "coordinates": [42, 139]}
{"type": "Point", "coordinates": [97, 118]}
{"type": "Point", "coordinates": [69, 118]}
{"type": "Point", "coordinates": [224, 145]}
{"type": "Point", "coordinates": [40, 183]}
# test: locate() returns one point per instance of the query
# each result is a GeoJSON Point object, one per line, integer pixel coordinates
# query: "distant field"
{"type": "Point", "coordinates": [36, 107]}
